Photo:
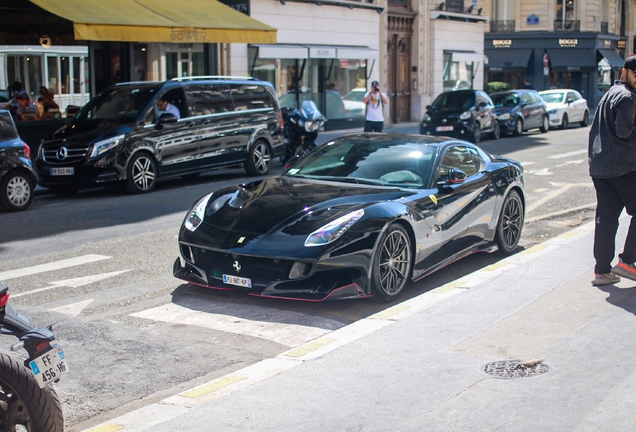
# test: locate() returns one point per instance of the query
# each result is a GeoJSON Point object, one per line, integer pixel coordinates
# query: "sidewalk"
{"type": "Point", "coordinates": [417, 365]}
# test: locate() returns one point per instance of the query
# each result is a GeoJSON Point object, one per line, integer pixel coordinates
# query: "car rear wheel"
{"type": "Point", "coordinates": [565, 122]}
{"type": "Point", "coordinates": [510, 223]}
{"type": "Point", "coordinates": [586, 119]}
{"type": "Point", "coordinates": [17, 192]}
{"type": "Point", "coordinates": [475, 133]}
{"type": "Point", "coordinates": [518, 128]}
{"type": "Point", "coordinates": [259, 159]}
{"type": "Point", "coordinates": [545, 124]}
{"type": "Point", "coordinates": [391, 264]}
{"type": "Point", "coordinates": [142, 173]}
{"type": "Point", "coordinates": [496, 131]}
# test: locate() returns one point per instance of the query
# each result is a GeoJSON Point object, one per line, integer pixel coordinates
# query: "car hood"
{"type": "Point", "coordinates": [551, 106]}
{"type": "Point", "coordinates": [504, 110]}
{"type": "Point", "coordinates": [89, 130]}
{"type": "Point", "coordinates": [281, 209]}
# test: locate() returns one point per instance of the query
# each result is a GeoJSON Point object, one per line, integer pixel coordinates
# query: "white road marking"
{"type": "Point", "coordinates": [564, 155]}
{"type": "Point", "coordinates": [548, 197]}
{"type": "Point", "coordinates": [283, 328]}
{"type": "Point", "coordinates": [55, 265]}
{"type": "Point", "coordinates": [73, 283]}
{"type": "Point", "coordinates": [540, 172]}
{"type": "Point", "coordinates": [572, 162]}
{"type": "Point", "coordinates": [73, 309]}
{"type": "Point", "coordinates": [527, 163]}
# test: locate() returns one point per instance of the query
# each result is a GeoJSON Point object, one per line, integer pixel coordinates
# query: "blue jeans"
{"type": "Point", "coordinates": [373, 126]}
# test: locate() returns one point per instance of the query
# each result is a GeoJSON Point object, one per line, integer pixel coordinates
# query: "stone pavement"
{"type": "Point", "coordinates": [418, 365]}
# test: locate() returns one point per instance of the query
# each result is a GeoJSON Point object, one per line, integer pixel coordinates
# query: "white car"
{"type": "Point", "coordinates": [353, 101]}
{"type": "Point", "coordinates": [566, 107]}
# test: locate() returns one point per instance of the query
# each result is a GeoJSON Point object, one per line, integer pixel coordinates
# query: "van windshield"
{"type": "Point", "coordinates": [454, 101]}
{"type": "Point", "coordinates": [119, 103]}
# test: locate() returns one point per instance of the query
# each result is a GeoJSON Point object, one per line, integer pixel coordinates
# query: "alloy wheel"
{"type": "Point", "coordinates": [395, 262]}
{"type": "Point", "coordinates": [511, 222]}
{"type": "Point", "coordinates": [143, 173]}
{"type": "Point", "coordinates": [261, 157]}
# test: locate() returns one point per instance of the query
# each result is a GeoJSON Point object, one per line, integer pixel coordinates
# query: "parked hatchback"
{"type": "Point", "coordinates": [566, 106]}
{"type": "Point", "coordinates": [520, 110]}
{"type": "Point", "coordinates": [465, 114]}
{"type": "Point", "coordinates": [17, 176]}
{"type": "Point", "coordinates": [119, 136]}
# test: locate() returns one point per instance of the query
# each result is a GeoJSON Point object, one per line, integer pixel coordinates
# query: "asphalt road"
{"type": "Point", "coordinates": [100, 262]}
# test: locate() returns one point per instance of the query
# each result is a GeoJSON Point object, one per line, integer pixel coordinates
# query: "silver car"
{"type": "Point", "coordinates": [566, 106]}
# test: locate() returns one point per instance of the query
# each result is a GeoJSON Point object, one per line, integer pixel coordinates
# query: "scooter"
{"type": "Point", "coordinates": [28, 400]}
{"type": "Point", "coordinates": [301, 128]}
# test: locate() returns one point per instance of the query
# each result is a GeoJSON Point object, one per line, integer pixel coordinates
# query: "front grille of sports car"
{"type": "Point", "coordinates": [261, 271]}
{"type": "Point", "coordinates": [71, 153]}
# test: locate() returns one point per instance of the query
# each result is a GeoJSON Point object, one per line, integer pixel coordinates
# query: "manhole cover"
{"type": "Point", "coordinates": [508, 369]}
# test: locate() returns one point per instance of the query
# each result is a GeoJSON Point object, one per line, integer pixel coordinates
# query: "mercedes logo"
{"type": "Point", "coordinates": [236, 266]}
{"type": "Point", "coordinates": [443, 120]}
{"type": "Point", "coordinates": [62, 153]}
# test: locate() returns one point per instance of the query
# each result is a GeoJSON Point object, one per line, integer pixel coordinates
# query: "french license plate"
{"type": "Point", "coordinates": [62, 171]}
{"type": "Point", "coordinates": [238, 281]}
{"type": "Point", "coordinates": [49, 366]}
{"type": "Point", "coordinates": [444, 128]}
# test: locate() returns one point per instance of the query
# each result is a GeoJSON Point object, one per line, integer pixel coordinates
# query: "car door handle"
{"type": "Point", "coordinates": [190, 124]}
{"type": "Point", "coordinates": [206, 121]}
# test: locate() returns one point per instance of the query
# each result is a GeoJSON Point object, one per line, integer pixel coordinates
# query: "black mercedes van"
{"type": "Point", "coordinates": [120, 135]}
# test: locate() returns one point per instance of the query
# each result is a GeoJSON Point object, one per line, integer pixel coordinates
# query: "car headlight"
{"type": "Point", "coordinates": [465, 115]}
{"type": "Point", "coordinates": [333, 230]}
{"type": "Point", "coordinates": [505, 116]}
{"type": "Point", "coordinates": [196, 215]}
{"type": "Point", "coordinates": [101, 147]}
{"type": "Point", "coordinates": [553, 111]}
{"type": "Point", "coordinates": [427, 117]}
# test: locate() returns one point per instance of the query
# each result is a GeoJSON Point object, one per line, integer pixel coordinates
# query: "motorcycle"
{"type": "Point", "coordinates": [28, 400]}
{"type": "Point", "coordinates": [301, 130]}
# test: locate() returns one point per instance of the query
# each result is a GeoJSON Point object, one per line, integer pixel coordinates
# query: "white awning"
{"type": "Point", "coordinates": [290, 51]}
{"type": "Point", "coordinates": [466, 56]}
{"type": "Point", "coordinates": [282, 51]}
{"type": "Point", "coordinates": [356, 53]}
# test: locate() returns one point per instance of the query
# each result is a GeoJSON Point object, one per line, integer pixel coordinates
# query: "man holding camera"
{"type": "Point", "coordinates": [375, 100]}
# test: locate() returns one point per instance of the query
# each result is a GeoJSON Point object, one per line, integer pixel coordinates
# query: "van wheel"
{"type": "Point", "coordinates": [259, 159]}
{"type": "Point", "coordinates": [16, 192]}
{"type": "Point", "coordinates": [142, 173]}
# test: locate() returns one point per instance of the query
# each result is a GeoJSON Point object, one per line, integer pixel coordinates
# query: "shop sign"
{"type": "Point", "coordinates": [621, 44]}
{"type": "Point", "coordinates": [532, 20]}
{"type": "Point", "coordinates": [495, 68]}
{"type": "Point", "coordinates": [607, 44]}
{"type": "Point", "coordinates": [328, 53]}
{"type": "Point", "coordinates": [568, 43]}
{"type": "Point", "coordinates": [242, 6]}
{"type": "Point", "coordinates": [574, 68]}
{"type": "Point", "coordinates": [502, 43]}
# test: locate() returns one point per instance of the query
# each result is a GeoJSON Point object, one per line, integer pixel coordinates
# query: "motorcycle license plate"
{"type": "Point", "coordinates": [238, 281]}
{"type": "Point", "coordinates": [49, 366]}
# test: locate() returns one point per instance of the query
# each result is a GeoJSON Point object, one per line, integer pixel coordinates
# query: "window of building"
{"type": "Point", "coordinates": [458, 75]}
{"type": "Point", "coordinates": [504, 10]}
{"type": "Point", "coordinates": [565, 10]}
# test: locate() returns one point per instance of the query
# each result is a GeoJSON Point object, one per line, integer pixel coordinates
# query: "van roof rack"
{"type": "Point", "coordinates": [219, 77]}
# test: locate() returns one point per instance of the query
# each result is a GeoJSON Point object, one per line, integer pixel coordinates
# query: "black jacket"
{"type": "Point", "coordinates": [612, 141]}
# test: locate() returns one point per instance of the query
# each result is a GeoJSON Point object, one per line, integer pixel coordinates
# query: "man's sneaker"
{"type": "Point", "coordinates": [605, 279]}
{"type": "Point", "coordinates": [625, 270]}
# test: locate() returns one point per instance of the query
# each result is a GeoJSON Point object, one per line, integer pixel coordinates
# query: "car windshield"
{"type": "Point", "coordinates": [119, 103]}
{"type": "Point", "coordinates": [552, 97]}
{"type": "Point", "coordinates": [386, 163]}
{"type": "Point", "coordinates": [454, 101]}
{"type": "Point", "coordinates": [505, 100]}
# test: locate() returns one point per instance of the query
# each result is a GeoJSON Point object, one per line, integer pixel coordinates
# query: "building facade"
{"type": "Point", "coordinates": [577, 44]}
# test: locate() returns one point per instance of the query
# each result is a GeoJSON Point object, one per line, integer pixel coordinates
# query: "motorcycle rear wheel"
{"type": "Point", "coordinates": [23, 404]}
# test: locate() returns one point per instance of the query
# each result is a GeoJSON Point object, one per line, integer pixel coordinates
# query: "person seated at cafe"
{"type": "Point", "coordinates": [163, 106]}
{"type": "Point", "coordinates": [47, 108]}
{"type": "Point", "coordinates": [22, 108]}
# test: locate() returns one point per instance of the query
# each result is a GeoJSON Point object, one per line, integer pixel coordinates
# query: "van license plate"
{"type": "Point", "coordinates": [443, 128]}
{"type": "Point", "coordinates": [62, 171]}
{"type": "Point", "coordinates": [238, 281]}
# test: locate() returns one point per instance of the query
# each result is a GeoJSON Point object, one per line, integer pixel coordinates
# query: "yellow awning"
{"type": "Point", "coordinates": [185, 21]}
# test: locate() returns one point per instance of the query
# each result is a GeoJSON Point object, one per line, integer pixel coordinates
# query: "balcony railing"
{"type": "Point", "coordinates": [507, 26]}
{"type": "Point", "coordinates": [604, 28]}
{"type": "Point", "coordinates": [567, 25]}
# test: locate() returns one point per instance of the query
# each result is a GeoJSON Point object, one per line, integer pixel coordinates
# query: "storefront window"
{"type": "Point", "coordinates": [26, 69]}
{"type": "Point", "coordinates": [604, 76]}
{"type": "Point", "coordinates": [183, 60]}
{"type": "Point", "coordinates": [458, 75]}
{"type": "Point", "coordinates": [336, 86]}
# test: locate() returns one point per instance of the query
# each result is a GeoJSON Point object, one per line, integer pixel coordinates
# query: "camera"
{"type": "Point", "coordinates": [376, 88]}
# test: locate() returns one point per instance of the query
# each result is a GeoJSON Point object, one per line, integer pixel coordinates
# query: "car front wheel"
{"type": "Point", "coordinates": [476, 133]}
{"type": "Point", "coordinates": [259, 159]}
{"type": "Point", "coordinates": [545, 124]}
{"type": "Point", "coordinates": [17, 192]}
{"type": "Point", "coordinates": [565, 122]}
{"type": "Point", "coordinates": [586, 119]}
{"type": "Point", "coordinates": [391, 264]}
{"type": "Point", "coordinates": [518, 128]}
{"type": "Point", "coordinates": [142, 173]}
{"type": "Point", "coordinates": [496, 131]}
{"type": "Point", "coordinates": [510, 223]}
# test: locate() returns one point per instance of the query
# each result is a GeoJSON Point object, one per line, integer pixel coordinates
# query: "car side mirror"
{"type": "Point", "coordinates": [456, 176]}
{"type": "Point", "coordinates": [428, 107]}
{"type": "Point", "coordinates": [167, 118]}
{"type": "Point", "coordinates": [482, 104]}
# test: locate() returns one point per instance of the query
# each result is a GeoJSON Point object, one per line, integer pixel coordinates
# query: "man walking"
{"type": "Point", "coordinates": [612, 161]}
{"type": "Point", "coordinates": [375, 101]}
